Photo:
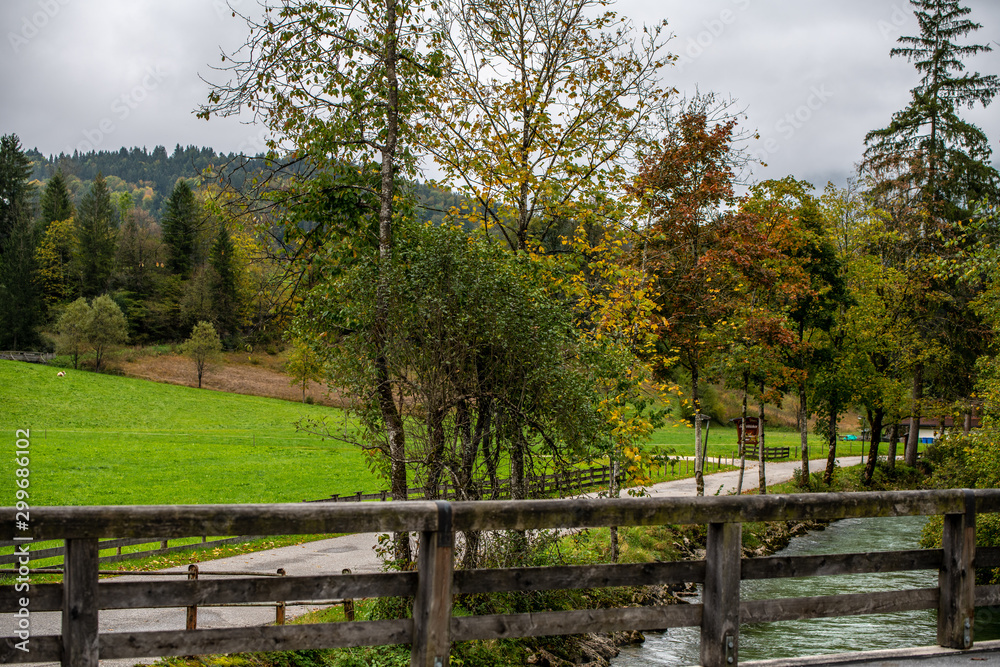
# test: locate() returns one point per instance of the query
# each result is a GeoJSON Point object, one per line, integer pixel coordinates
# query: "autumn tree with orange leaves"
{"type": "Point", "coordinates": [684, 188]}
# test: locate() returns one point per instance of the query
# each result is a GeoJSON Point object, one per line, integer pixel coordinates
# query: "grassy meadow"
{"type": "Point", "coordinates": [101, 439]}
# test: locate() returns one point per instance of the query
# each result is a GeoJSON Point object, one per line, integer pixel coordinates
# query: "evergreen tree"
{"type": "Point", "coordinates": [223, 260]}
{"type": "Point", "coordinates": [928, 169]}
{"type": "Point", "coordinates": [19, 311]}
{"type": "Point", "coordinates": [180, 229]}
{"type": "Point", "coordinates": [56, 203]}
{"type": "Point", "coordinates": [97, 236]}
{"type": "Point", "coordinates": [927, 147]}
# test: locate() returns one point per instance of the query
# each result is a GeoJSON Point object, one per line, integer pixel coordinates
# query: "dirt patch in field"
{"type": "Point", "coordinates": [260, 379]}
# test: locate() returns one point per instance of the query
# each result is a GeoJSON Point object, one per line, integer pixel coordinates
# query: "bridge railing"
{"type": "Point", "coordinates": [432, 628]}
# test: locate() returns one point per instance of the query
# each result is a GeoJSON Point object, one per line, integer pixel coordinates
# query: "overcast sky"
{"type": "Point", "coordinates": [813, 76]}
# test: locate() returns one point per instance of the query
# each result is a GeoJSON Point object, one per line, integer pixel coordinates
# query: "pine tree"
{"type": "Point", "coordinates": [180, 229]}
{"type": "Point", "coordinates": [19, 312]}
{"type": "Point", "coordinates": [223, 260]}
{"type": "Point", "coordinates": [97, 236]}
{"type": "Point", "coordinates": [56, 203]}
{"type": "Point", "coordinates": [942, 159]}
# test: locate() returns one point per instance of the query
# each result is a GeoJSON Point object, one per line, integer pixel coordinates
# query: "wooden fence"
{"type": "Point", "coordinates": [432, 628]}
{"type": "Point", "coordinates": [770, 453]}
{"type": "Point", "coordinates": [117, 544]}
{"type": "Point", "coordinates": [31, 357]}
{"type": "Point", "coordinates": [538, 485]}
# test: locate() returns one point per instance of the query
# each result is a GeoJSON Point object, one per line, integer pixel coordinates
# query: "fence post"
{"type": "Point", "coordinates": [192, 611]}
{"type": "Point", "coordinates": [432, 605]}
{"type": "Point", "coordinates": [957, 577]}
{"type": "Point", "coordinates": [79, 612]}
{"type": "Point", "coordinates": [348, 602]}
{"type": "Point", "coordinates": [279, 608]}
{"type": "Point", "coordinates": [720, 624]}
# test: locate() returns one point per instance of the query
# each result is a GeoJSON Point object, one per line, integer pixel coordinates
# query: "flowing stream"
{"type": "Point", "coordinates": [763, 641]}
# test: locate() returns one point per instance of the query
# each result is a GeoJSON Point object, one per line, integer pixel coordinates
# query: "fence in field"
{"type": "Point", "coordinates": [566, 482]}
{"type": "Point", "coordinates": [31, 357]}
{"type": "Point", "coordinates": [538, 485]}
{"type": "Point", "coordinates": [770, 453]}
{"type": "Point", "coordinates": [117, 544]}
{"type": "Point", "coordinates": [434, 583]}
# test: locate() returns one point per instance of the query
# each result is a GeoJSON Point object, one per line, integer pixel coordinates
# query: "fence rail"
{"type": "Point", "coordinates": [564, 482]}
{"type": "Point", "coordinates": [432, 586]}
{"type": "Point", "coordinates": [117, 544]}
{"type": "Point", "coordinates": [770, 453]}
{"type": "Point", "coordinates": [31, 357]}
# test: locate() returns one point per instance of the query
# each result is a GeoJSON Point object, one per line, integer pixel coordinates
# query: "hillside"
{"type": "Point", "coordinates": [102, 439]}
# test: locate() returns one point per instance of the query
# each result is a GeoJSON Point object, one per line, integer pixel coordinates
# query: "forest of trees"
{"type": "Point", "coordinates": [596, 244]}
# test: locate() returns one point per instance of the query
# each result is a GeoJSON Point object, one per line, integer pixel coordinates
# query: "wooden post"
{"type": "Point", "coordinates": [348, 602]}
{"type": "Point", "coordinates": [192, 611]}
{"type": "Point", "coordinates": [80, 603]}
{"type": "Point", "coordinates": [432, 605]}
{"type": "Point", "coordinates": [720, 625]}
{"type": "Point", "coordinates": [279, 608]}
{"type": "Point", "coordinates": [957, 578]}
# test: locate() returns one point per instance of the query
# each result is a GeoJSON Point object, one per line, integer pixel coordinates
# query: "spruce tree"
{"type": "Point", "coordinates": [928, 146]}
{"type": "Point", "coordinates": [19, 303]}
{"type": "Point", "coordinates": [15, 189]}
{"type": "Point", "coordinates": [55, 201]}
{"type": "Point", "coordinates": [180, 229]}
{"type": "Point", "coordinates": [97, 237]}
{"type": "Point", "coordinates": [930, 168]}
{"type": "Point", "coordinates": [223, 260]}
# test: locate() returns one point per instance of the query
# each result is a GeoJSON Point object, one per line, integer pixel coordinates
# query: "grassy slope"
{"type": "Point", "coordinates": [99, 439]}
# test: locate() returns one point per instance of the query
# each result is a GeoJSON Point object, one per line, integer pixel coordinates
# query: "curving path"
{"type": "Point", "coordinates": [329, 556]}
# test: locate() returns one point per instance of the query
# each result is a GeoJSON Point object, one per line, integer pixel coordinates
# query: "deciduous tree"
{"type": "Point", "coordinates": [74, 329]}
{"type": "Point", "coordinates": [344, 85]}
{"type": "Point", "coordinates": [203, 346]}
{"type": "Point", "coordinates": [106, 329]}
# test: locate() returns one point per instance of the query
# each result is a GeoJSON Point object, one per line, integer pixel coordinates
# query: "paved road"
{"type": "Point", "coordinates": [327, 557]}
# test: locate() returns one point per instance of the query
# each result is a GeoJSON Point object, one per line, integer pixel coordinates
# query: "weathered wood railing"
{"type": "Point", "coordinates": [432, 628]}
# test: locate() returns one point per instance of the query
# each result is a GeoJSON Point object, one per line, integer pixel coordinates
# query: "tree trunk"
{"type": "Point", "coordinates": [876, 439]}
{"type": "Point", "coordinates": [743, 435]}
{"type": "Point", "coordinates": [913, 439]}
{"type": "Point", "coordinates": [518, 490]}
{"type": "Point", "coordinates": [395, 433]}
{"type": "Point", "coordinates": [699, 454]}
{"type": "Point", "coordinates": [613, 492]}
{"type": "Point", "coordinates": [831, 456]}
{"type": "Point", "coordinates": [761, 476]}
{"type": "Point", "coordinates": [893, 442]}
{"type": "Point", "coordinates": [435, 453]}
{"type": "Point", "coordinates": [804, 436]}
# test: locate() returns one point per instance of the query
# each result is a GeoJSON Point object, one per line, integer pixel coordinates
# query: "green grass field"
{"type": "Point", "coordinates": [99, 439]}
